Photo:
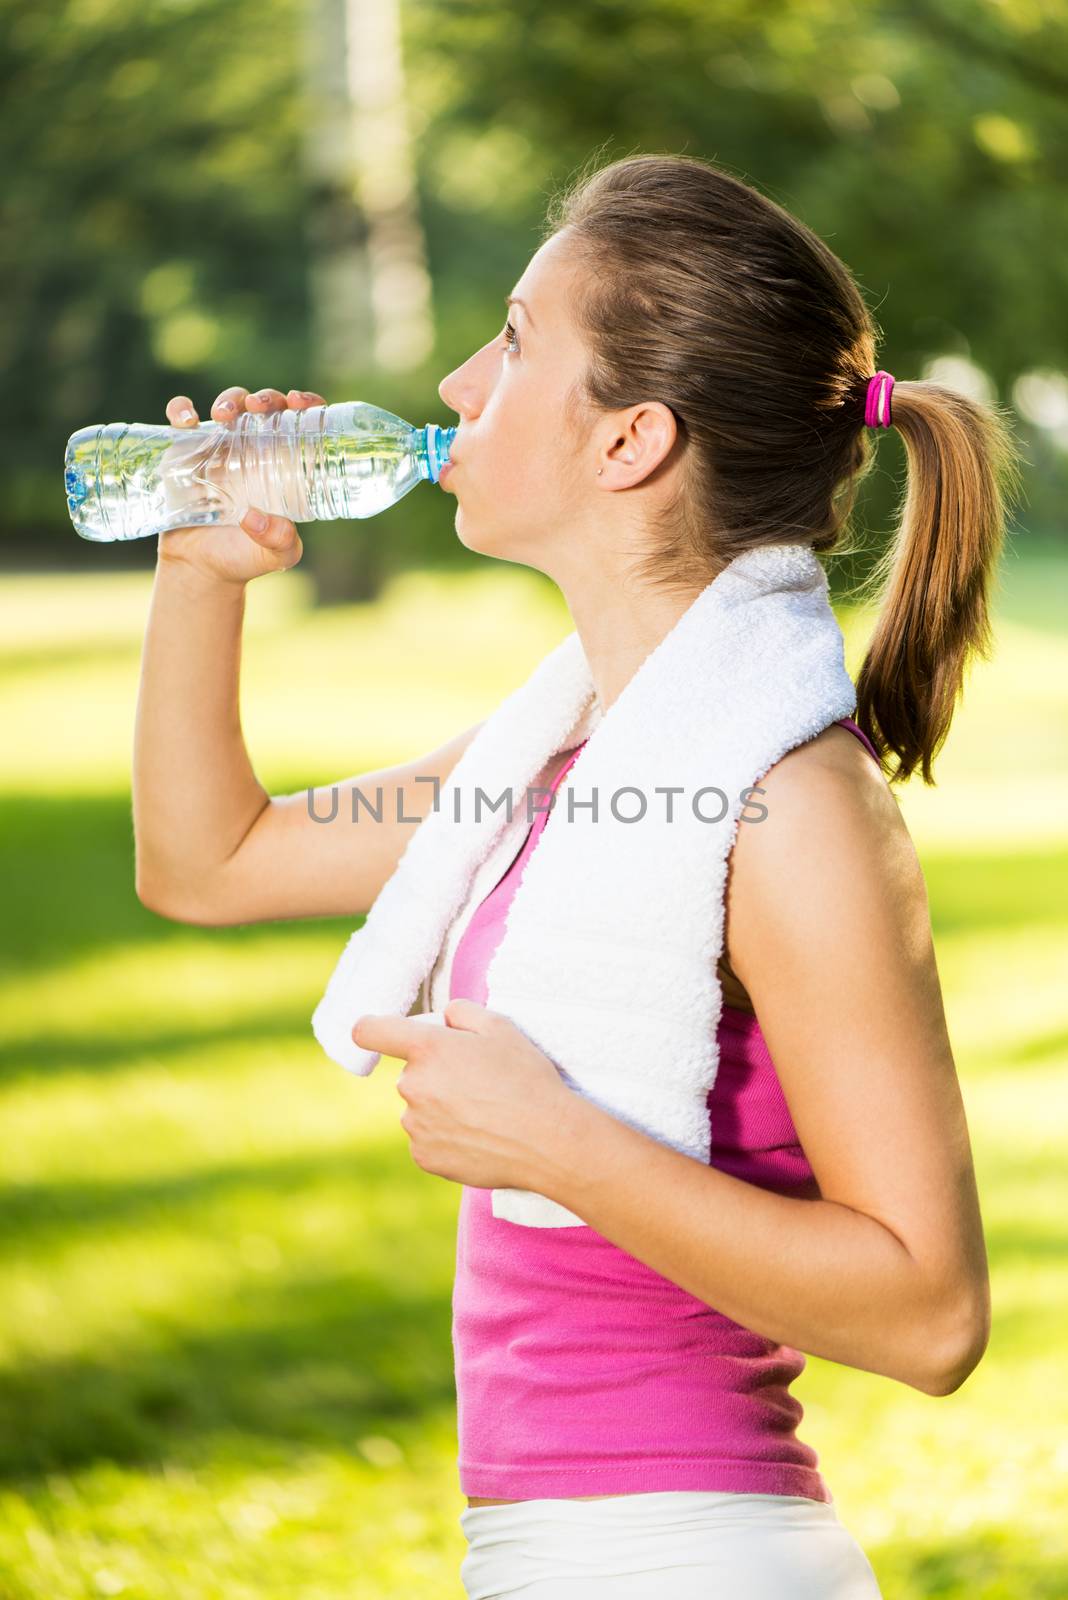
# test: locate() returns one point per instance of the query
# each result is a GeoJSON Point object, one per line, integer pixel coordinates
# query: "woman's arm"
{"type": "Point", "coordinates": [212, 847]}
{"type": "Point", "coordinates": [830, 933]}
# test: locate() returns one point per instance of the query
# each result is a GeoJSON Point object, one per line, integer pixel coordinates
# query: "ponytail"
{"type": "Point", "coordinates": [935, 577]}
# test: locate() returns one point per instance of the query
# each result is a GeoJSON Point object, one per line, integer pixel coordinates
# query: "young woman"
{"type": "Point", "coordinates": [686, 383]}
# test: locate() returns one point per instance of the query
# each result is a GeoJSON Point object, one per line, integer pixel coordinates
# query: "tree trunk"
{"type": "Point", "coordinates": [370, 297]}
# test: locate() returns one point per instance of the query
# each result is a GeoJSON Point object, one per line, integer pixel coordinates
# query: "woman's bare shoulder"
{"type": "Point", "coordinates": [832, 831]}
{"type": "Point", "coordinates": [832, 770]}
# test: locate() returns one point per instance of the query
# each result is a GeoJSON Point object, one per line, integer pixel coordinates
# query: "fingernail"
{"type": "Point", "coordinates": [227, 405]}
{"type": "Point", "coordinates": [186, 415]}
{"type": "Point", "coordinates": [255, 520]}
{"type": "Point", "coordinates": [261, 394]}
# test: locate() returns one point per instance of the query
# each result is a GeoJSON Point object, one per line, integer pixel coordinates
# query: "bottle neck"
{"type": "Point", "coordinates": [432, 446]}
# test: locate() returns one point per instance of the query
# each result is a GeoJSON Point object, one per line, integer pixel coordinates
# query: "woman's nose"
{"type": "Point", "coordinates": [457, 394]}
{"type": "Point", "coordinates": [463, 391]}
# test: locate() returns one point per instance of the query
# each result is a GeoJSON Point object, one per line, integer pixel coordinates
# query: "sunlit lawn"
{"type": "Point", "coordinates": [225, 1359]}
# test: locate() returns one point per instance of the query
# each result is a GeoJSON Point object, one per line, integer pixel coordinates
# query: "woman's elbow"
{"type": "Point", "coordinates": [953, 1358]}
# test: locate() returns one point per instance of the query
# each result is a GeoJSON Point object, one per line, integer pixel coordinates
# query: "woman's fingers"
{"type": "Point", "coordinates": [228, 405]}
{"type": "Point", "coordinates": [266, 400]}
{"type": "Point", "coordinates": [181, 412]}
{"type": "Point", "coordinates": [276, 534]}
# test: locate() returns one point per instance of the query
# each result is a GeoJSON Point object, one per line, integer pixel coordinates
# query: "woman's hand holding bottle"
{"type": "Point", "coordinates": [237, 552]}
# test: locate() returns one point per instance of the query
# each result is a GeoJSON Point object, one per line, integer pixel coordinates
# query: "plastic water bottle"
{"type": "Point", "coordinates": [129, 480]}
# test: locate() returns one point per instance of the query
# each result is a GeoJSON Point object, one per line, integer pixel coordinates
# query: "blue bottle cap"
{"type": "Point", "coordinates": [438, 445]}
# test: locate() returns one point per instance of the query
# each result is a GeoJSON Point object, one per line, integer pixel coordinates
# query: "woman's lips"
{"type": "Point", "coordinates": [446, 468]}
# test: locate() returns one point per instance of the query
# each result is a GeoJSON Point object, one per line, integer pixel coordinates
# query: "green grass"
{"type": "Point", "coordinates": [225, 1361]}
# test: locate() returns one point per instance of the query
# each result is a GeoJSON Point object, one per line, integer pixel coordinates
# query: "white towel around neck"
{"type": "Point", "coordinates": [611, 943]}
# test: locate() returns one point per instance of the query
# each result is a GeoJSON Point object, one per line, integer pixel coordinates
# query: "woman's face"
{"type": "Point", "coordinates": [523, 466]}
{"type": "Point", "coordinates": [528, 447]}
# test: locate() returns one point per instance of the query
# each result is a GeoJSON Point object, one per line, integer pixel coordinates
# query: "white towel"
{"type": "Point", "coordinates": [609, 955]}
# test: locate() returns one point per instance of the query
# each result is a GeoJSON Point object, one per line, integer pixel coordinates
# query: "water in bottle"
{"type": "Point", "coordinates": [130, 480]}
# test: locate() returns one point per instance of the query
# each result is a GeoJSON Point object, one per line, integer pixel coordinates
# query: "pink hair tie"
{"type": "Point", "coordinates": [877, 403]}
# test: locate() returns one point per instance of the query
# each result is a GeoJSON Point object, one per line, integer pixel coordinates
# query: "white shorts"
{"type": "Point", "coordinates": [686, 1544]}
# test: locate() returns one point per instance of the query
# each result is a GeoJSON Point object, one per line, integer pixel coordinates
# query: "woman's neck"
{"type": "Point", "coordinates": [620, 628]}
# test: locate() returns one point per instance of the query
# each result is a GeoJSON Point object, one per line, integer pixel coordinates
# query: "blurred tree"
{"type": "Point", "coordinates": [370, 282]}
{"type": "Point", "coordinates": [150, 231]}
{"type": "Point", "coordinates": [924, 139]}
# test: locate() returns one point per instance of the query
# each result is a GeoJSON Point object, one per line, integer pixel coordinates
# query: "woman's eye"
{"type": "Point", "coordinates": [510, 335]}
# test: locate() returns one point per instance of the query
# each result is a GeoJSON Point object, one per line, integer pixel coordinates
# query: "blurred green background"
{"type": "Point", "coordinates": [225, 1363]}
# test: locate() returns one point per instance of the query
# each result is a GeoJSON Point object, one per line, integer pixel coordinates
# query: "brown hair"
{"type": "Point", "coordinates": [706, 295]}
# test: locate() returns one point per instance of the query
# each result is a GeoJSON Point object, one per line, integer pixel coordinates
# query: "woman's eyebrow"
{"type": "Point", "coordinates": [514, 300]}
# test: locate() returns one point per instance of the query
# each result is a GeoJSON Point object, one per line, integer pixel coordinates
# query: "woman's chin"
{"type": "Point", "coordinates": [485, 545]}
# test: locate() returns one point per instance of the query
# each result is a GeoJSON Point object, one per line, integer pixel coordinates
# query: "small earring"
{"type": "Point", "coordinates": [599, 471]}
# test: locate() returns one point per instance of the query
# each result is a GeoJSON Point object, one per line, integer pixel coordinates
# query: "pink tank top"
{"type": "Point", "coordinates": [580, 1370]}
